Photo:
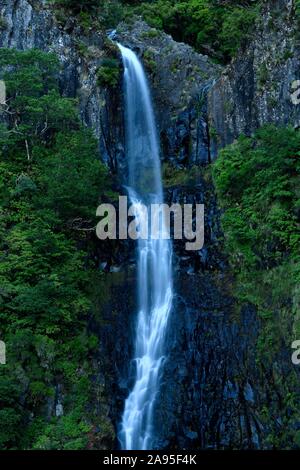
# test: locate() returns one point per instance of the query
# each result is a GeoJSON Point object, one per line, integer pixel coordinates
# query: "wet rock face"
{"type": "Point", "coordinates": [212, 390]}
{"type": "Point", "coordinates": [115, 329]}
{"type": "Point", "coordinates": [209, 258]}
{"type": "Point", "coordinates": [179, 80]}
{"type": "Point", "coordinates": [208, 394]}
{"type": "Point", "coordinates": [256, 88]}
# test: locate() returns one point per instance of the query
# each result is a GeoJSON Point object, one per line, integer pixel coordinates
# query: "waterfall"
{"type": "Point", "coordinates": [154, 283]}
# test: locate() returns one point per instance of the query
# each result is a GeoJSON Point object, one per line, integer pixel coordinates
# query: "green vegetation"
{"type": "Point", "coordinates": [151, 34]}
{"type": "Point", "coordinates": [95, 14]}
{"type": "Point", "coordinates": [173, 176]}
{"type": "Point", "coordinates": [51, 179]}
{"type": "Point", "coordinates": [216, 28]}
{"type": "Point", "coordinates": [3, 24]}
{"type": "Point", "coordinates": [212, 27]}
{"type": "Point", "coordinates": [109, 73]}
{"type": "Point", "coordinates": [258, 184]}
{"type": "Point", "coordinates": [149, 62]}
{"type": "Point", "coordinates": [78, 5]}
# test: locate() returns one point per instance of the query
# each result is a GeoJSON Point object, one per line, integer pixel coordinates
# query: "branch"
{"type": "Point", "coordinates": [27, 150]}
{"type": "Point", "coordinates": [78, 225]}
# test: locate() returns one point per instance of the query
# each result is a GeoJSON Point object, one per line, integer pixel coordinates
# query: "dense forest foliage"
{"type": "Point", "coordinates": [258, 184]}
{"type": "Point", "coordinates": [257, 180]}
{"type": "Point", "coordinates": [217, 28]}
{"type": "Point", "coordinates": [51, 179]}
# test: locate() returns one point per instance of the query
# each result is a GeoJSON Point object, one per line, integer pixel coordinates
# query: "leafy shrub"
{"type": "Point", "coordinates": [148, 59]}
{"type": "Point", "coordinates": [51, 179]}
{"type": "Point", "coordinates": [108, 73]}
{"type": "Point", "coordinates": [90, 13]}
{"type": "Point", "coordinates": [258, 185]}
{"type": "Point", "coordinates": [257, 181]}
{"type": "Point", "coordinates": [236, 30]}
{"type": "Point", "coordinates": [77, 5]}
{"type": "Point", "coordinates": [173, 176]}
{"type": "Point", "coordinates": [212, 27]}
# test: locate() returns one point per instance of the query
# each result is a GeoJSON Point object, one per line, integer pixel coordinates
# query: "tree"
{"type": "Point", "coordinates": [51, 179]}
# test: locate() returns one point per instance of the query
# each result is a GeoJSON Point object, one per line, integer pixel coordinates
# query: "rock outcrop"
{"type": "Point", "coordinates": [257, 87]}
{"type": "Point", "coordinates": [179, 80]}
{"type": "Point", "coordinates": [28, 24]}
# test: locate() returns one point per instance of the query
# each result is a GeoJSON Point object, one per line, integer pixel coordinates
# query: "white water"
{"type": "Point", "coordinates": [154, 258]}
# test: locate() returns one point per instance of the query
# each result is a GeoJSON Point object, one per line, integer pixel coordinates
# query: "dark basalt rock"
{"type": "Point", "coordinates": [256, 88]}
{"type": "Point", "coordinates": [179, 80]}
{"type": "Point", "coordinates": [201, 403]}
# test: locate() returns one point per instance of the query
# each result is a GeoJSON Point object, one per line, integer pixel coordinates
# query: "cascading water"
{"type": "Point", "coordinates": [154, 257]}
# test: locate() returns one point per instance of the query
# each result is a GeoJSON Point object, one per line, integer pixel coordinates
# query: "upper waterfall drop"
{"type": "Point", "coordinates": [154, 257]}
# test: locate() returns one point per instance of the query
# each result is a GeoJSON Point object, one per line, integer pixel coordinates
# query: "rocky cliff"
{"type": "Point", "coordinates": [212, 393]}
{"type": "Point", "coordinates": [179, 79]}
{"type": "Point", "coordinates": [32, 24]}
{"type": "Point", "coordinates": [256, 88]}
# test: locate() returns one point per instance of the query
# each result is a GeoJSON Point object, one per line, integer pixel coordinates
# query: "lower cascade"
{"type": "Point", "coordinates": [154, 258]}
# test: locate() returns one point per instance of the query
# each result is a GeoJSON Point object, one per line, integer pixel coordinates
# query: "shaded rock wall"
{"type": "Point", "coordinates": [209, 379]}
{"type": "Point", "coordinates": [213, 391]}
{"type": "Point", "coordinates": [32, 24]}
{"type": "Point", "coordinates": [256, 88]}
{"type": "Point", "coordinates": [209, 385]}
{"type": "Point", "coordinates": [179, 79]}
